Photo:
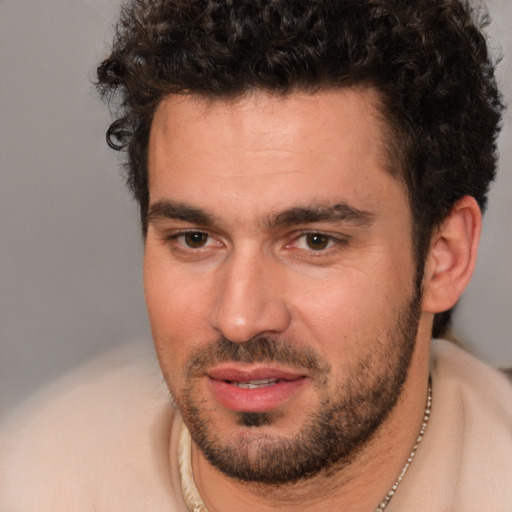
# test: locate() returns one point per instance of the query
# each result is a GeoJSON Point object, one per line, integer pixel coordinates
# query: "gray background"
{"type": "Point", "coordinates": [70, 249]}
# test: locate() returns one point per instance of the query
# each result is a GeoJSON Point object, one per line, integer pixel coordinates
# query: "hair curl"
{"type": "Point", "coordinates": [428, 59]}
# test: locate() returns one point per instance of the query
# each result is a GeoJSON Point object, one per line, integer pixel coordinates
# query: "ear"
{"type": "Point", "coordinates": [452, 256]}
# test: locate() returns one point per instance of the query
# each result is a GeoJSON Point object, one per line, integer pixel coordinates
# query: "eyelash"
{"type": "Point", "coordinates": [333, 242]}
{"type": "Point", "coordinates": [176, 236]}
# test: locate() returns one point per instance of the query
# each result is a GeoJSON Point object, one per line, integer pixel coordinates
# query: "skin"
{"type": "Point", "coordinates": [243, 274]}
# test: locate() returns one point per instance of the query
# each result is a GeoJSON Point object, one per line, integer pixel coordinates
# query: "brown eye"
{"type": "Point", "coordinates": [195, 239]}
{"type": "Point", "coordinates": [317, 241]}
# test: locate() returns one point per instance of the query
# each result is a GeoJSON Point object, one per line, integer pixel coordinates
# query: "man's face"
{"type": "Point", "coordinates": [279, 277]}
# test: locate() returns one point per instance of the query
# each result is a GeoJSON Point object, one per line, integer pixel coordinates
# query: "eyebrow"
{"type": "Point", "coordinates": [165, 209]}
{"type": "Point", "coordinates": [338, 212]}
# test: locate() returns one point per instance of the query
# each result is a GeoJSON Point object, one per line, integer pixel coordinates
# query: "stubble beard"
{"type": "Point", "coordinates": [331, 436]}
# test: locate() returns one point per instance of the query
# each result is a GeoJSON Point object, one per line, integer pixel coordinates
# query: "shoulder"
{"type": "Point", "coordinates": [456, 369]}
{"type": "Point", "coordinates": [98, 438]}
{"type": "Point", "coordinates": [477, 399]}
{"type": "Point", "coordinates": [464, 463]}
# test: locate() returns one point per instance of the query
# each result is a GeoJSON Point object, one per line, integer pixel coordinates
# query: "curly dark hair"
{"type": "Point", "coordinates": [428, 59]}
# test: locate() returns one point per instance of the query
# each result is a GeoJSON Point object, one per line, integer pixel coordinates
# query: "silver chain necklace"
{"type": "Point", "coordinates": [390, 494]}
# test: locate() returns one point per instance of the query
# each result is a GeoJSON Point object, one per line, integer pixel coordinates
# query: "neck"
{"type": "Point", "coordinates": [354, 486]}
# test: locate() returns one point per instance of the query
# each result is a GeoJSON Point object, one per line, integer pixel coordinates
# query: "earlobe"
{"type": "Point", "coordinates": [452, 256]}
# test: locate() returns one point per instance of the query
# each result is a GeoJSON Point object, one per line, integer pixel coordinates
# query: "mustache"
{"type": "Point", "coordinates": [256, 350]}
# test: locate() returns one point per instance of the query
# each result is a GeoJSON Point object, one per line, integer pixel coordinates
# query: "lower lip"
{"type": "Point", "coordinates": [255, 400]}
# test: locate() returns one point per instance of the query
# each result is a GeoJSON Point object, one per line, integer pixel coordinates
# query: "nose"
{"type": "Point", "coordinates": [250, 298]}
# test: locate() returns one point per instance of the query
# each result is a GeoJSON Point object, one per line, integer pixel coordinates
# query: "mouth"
{"type": "Point", "coordinates": [255, 384]}
{"type": "Point", "coordinates": [262, 389]}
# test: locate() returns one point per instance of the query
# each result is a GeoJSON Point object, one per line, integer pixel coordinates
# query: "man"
{"type": "Point", "coordinates": [311, 177]}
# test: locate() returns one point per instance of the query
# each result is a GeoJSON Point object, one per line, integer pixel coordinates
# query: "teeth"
{"type": "Point", "coordinates": [253, 384]}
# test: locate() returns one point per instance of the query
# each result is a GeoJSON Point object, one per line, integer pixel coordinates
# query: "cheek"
{"type": "Point", "coordinates": [342, 313]}
{"type": "Point", "coordinates": [168, 296]}
{"type": "Point", "coordinates": [353, 306]}
{"type": "Point", "coordinates": [175, 310]}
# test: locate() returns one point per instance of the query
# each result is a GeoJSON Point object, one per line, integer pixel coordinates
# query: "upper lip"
{"type": "Point", "coordinates": [235, 372]}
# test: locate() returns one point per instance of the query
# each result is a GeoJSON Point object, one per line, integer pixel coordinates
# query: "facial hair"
{"type": "Point", "coordinates": [331, 436]}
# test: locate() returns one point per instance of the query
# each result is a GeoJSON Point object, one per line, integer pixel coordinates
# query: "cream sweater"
{"type": "Point", "coordinates": [105, 439]}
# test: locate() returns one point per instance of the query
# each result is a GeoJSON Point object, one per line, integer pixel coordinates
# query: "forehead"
{"type": "Point", "coordinates": [328, 145]}
{"type": "Point", "coordinates": [350, 113]}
